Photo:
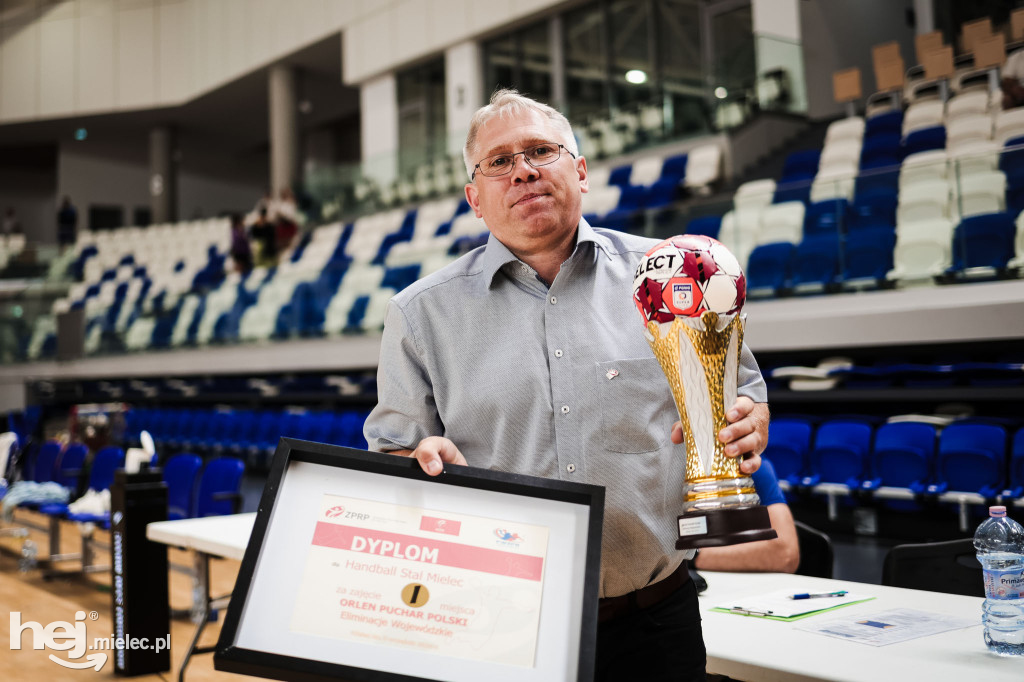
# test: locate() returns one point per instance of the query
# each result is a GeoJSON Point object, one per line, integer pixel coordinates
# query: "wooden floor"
{"type": "Point", "coordinates": [58, 599]}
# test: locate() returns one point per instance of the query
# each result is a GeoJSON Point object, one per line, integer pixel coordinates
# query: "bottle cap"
{"type": "Point", "coordinates": [997, 511]}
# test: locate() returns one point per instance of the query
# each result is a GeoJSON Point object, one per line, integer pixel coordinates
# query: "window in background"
{"type": "Point", "coordinates": [586, 63]}
{"type": "Point", "coordinates": [422, 124]}
{"type": "Point", "coordinates": [520, 60]}
{"type": "Point", "coordinates": [679, 58]}
{"type": "Point", "coordinates": [633, 60]}
{"type": "Point", "coordinates": [733, 63]}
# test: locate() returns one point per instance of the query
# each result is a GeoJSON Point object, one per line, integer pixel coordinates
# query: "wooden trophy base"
{"type": "Point", "coordinates": [720, 527]}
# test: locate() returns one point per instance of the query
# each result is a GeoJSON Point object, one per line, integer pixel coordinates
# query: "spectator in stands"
{"type": "Point", "coordinates": [1013, 80]}
{"type": "Point", "coordinates": [67, 223]}
{"type": "Point", "coordinates": [265, 235]}
{"type": "Point", "coordinates": [286, 219]}
{"type": "Point", "coordinates": [781, 555]}
{"type": "Point", "coordinates": [241, 249]}
{"type": "Point", "coordinates": [11, 224]}
{"type": "Point", "coordinates": [492, 360]}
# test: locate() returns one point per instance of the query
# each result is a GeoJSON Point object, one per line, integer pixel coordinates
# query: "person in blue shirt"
{"type": "Point", "coordinates": [781, 555]}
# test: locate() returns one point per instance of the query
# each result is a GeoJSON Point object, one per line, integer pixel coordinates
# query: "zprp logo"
{"type": "Point", "coordinates": [335, 512]}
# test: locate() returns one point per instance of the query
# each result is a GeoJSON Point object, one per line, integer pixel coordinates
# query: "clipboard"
{"type": "Point", "coordinates": [779, 606]}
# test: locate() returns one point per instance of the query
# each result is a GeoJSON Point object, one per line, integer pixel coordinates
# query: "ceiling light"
{"type": "Point", "coordinates": [721, 93]}
{"type": "Point", "coordinates": [636, 76]}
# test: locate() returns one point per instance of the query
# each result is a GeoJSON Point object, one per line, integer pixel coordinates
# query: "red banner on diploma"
{"type": "Point", "coordinates": [429, 551]}
{"type": "Point", "coordinates": [436, 525]}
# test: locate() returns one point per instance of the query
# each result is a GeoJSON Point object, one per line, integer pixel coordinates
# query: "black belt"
{"type": "Point", "coordinates": [646, 597]}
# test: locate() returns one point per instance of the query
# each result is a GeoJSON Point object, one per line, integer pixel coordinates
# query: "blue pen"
{"type": "Point", "coordinates": [813, 595]}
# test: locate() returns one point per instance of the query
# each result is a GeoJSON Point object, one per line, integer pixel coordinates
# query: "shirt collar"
{"type": "Point", "coordinates": [497, 254]}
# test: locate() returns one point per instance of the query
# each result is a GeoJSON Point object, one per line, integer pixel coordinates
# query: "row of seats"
{"type": "Point", "coordinates": [967, 456]}
{"type": "Point", "coordinates": [337, 278]}
{"type": "Point", "coordinates": [620, 197]}
{"type": "Point", "coordinates": [1006, 370]}
{"type": "Point", "coordinates": [249, 434]}
{"type": "Point", "coordinates": [860, 211]}
{"type": "Point", "coordinates": [196, 489]}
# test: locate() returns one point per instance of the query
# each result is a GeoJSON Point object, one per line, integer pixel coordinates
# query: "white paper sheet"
{"type": "Point", "coordinates": [888, 627]}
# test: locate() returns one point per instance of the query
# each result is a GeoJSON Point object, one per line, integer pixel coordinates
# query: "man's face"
{"type": "Point", "coordinates": [530, 210]}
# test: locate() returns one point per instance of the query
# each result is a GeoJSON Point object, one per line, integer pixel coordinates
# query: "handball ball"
{"type": "Point", "coordinates": [686, 275]}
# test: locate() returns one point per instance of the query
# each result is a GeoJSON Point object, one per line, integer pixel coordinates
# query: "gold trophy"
{"type": "Point", "coordinates": [690, 291]}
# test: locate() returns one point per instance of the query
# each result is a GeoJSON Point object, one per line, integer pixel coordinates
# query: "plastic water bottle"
{"type": "Point", "coordinates": [999, 542]}
{"type": "Point", "coordinates": [27, 562]}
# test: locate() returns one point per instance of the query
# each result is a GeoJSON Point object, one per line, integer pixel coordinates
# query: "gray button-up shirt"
{"type": "Point", "coordinates": [550, 381]}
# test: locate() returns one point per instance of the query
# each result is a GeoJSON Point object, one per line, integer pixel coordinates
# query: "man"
{"type": "Point", "coordinates": [780, 555]}
{"type": "Point", "coordinates": [67, 223]}
{"type": "Point", "coordinates": [527, 355]}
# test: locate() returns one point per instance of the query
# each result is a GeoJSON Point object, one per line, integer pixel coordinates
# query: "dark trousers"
{"type": "Point", "coordinates": [663, 642]}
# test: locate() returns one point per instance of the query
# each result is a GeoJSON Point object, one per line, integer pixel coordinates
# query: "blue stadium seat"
{"type": "Point", "coordinates": [881, 151]}
{"type": "Point", "coordinates": [220, 485]}
{"type": "Point", "coordinates": [769, 267]}
{"type": "Point", "coordinates": [872, 210]}
{"type": "Point", "coordinates": [674, 168]}
{"type": "Point", "coordinates": [984, 241]}
{"type": "Point", "coordinates": [1017, 465]}
{"type": "Point", "coordinates": [817, 261]}
{"type": "Point", "coordinates": [620, 175]}
{"type": "Point", "coordinates": [971, 458]}
{"type": "Point", "coordinates": [789, 441]}
{"type": "Point", "coordinates": [44, 465]}
{"type": "Point", "coordinates": [904, 457]}
{"type": "Point", "coordinates": [924, 139]}
{"type": "Point", "coordinates": [180, 475]}
{"type": "Point", "coordinates": [71, 465]}
{"type": "Point", "coordinates": [799, 190]}
{"type": "Point", "coordinates": [868, 253]}
{"type": "Point", "coordinates": [1011, 162]}
{"type": "Point", "coordinates": [662, 193]}
{"type": "Point", "coordinates": [887, 122]}
{"type": "Point", "coordinates": [840, 453]}
{"type": "Point", "coordinates": [801, 166]}
{"type": "Point", "coordinates": [825, 217]}
{"type": "Point", "coordinates": [101, 476]}
{"type": "Point", "coordinates": [708, 225]}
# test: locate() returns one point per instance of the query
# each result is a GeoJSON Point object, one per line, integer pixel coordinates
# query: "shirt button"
{"type": "Point", "coordinates": [570, 468]}
{"type": "Point", "coordinates": [558, 353]}
{"type": "Point", "coordinates": [554, 300]}
{"type": "Point", "coordinates": [565, 409]}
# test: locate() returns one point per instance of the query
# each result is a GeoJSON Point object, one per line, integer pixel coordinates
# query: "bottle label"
{"type": "Point", "coordinates": [1004, 584]}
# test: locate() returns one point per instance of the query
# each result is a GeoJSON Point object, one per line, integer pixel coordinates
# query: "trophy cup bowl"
{"type": "Point", "coordinates": [690, 291]}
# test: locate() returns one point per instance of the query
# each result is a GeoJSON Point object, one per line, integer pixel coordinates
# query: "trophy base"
{"type": "Point", "coordinates": [720, 527]}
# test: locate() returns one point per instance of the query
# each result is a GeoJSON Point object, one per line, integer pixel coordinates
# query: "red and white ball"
{"type": "Point", "coordinates": [686, 275]}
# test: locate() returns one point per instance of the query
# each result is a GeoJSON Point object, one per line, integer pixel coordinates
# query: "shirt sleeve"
{"type": "Point", "coordinates": [750, 382]}
{"type": "Point", "coordinates": [767, 484]}
{"type": "Point", "coordinates": [1014, 67]}
{"type": "Point", "coordinates": [405, 413]}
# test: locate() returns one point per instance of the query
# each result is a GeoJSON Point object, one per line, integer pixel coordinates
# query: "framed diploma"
{"type": "Point", "coordinates": [362, 567]}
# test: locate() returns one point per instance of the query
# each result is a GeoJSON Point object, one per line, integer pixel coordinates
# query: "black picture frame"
{"type": "Point", "coordinates": [230, 657]}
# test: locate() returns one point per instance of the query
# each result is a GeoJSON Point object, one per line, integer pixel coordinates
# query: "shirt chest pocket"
{"type": "Point", "coordinates": [637, 411]}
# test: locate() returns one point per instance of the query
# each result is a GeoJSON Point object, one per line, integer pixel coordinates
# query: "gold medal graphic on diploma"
{"type": "Point", "coordinates": [690, 291]}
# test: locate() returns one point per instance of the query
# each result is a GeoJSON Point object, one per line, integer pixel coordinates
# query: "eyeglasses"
{"type": "Point", "coordinates": [537, 155]}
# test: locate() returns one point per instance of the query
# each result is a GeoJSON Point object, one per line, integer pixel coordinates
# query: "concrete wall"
{"type": "Point", "coordinates": [95, 180]}
{"type": "Point", "coordinates": [68, 57]}
{"type": "Point", "coordinates": [839, 35]}
{"type": "Point", "coordinates": [71, 57]}
{"type": "Point", "coordinates": [33, 197]}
